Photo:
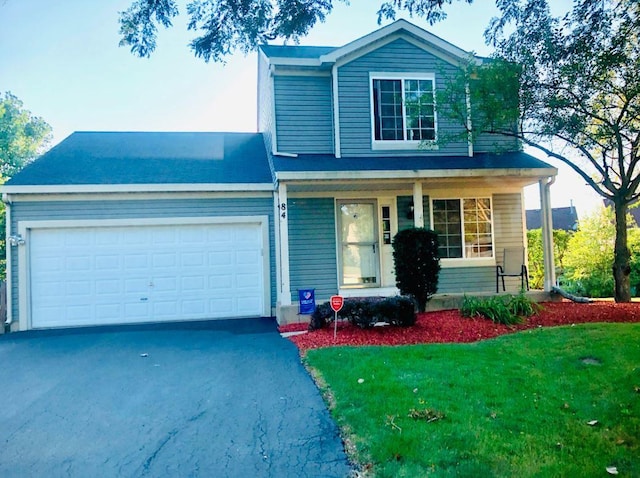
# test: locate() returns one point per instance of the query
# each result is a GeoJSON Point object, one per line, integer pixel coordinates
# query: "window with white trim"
{"type": "Point", "coordinates": [464, 227]}
{"type": "Point", "coordinates": [403, 109]}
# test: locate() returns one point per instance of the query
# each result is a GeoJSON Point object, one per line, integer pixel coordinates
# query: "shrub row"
{"type": "Point", "coordinates": [504, 309]}
{"type": "Point", "coordinates": [366, 312]}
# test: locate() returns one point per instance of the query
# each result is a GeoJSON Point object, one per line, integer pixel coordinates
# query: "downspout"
{"type": "Point", "coordinates": [9, 261]}
{"type": "Point", "coordinates": [547, 233]}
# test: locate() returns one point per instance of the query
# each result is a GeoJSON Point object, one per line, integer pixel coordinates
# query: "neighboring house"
{"type": "Point", "coordinates": [136, 227]}
{"type": "Point", "coordinates": [565, 218]}
{"type": "Point", "coordinates": [634, 211]}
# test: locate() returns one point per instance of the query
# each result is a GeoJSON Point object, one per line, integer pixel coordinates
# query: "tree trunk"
{"type": "Point", "coordinates": [621, 260]}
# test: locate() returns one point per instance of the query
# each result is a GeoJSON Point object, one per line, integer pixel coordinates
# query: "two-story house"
{"type": "Point", "coordinates": [351, 147]}
{"type": "Point", "coordinates": [359, 151]}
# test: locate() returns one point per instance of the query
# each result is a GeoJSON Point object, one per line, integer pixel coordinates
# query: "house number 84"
{"type": "Point", "coordinates": [283, 208]}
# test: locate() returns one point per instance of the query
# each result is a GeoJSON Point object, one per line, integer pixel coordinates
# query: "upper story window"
{"type": "Point", "coordinates": [404, 112]}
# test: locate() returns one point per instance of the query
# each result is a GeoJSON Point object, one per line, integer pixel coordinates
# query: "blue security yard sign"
{"type": "Point", "coordinates": [307, 300]}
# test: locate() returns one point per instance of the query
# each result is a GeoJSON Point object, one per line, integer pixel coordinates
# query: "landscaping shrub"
{"type": "Point", "coordinates": [366, 312]}
{"type": "Point", "coordinates": [321, 316]}
{"type": "Point", "coordinates": [399, 310]}
{"type": "Point", "coordinates": [506, 309]}
{"type": "Point", "coordinates": [417, 264]}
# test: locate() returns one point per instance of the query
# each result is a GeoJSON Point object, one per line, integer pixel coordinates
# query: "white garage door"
{"type": "Point", "coordinates": [114, 275]}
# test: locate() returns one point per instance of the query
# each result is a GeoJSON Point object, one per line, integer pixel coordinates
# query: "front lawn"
{"type": "Point", "coordinates": [562, 401]}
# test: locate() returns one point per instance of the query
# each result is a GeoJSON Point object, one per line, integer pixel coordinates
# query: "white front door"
{"type": "Point", "coordinates": [359, 246]}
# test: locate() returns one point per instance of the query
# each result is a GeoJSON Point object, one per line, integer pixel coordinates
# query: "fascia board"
{"type": "Point", "coordinates": [131, 188]}
{"type": "Point", "coordinates": [279, 61]}
{"type": "Point", "coordinates": [417, 174]}
{"type": "Point", "coordinates": [395, 27]}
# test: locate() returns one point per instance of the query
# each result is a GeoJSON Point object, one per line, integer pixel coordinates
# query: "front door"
{"type": "Point", "coordinates": [359, 247]}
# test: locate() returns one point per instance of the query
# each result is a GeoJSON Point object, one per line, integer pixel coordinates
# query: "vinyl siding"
{"type": "Point", "coordinates": [468, 280]}
{"type": "Point", "coordinates": [404, 222]}
{"type": "Point", "coordinates": [304, 116]}
{"type": "Point", "coordinates": [265, 102]}
{"type": "Point", "coordinates": [312, 247]}
{"type": "Point", "coordinates": [355, 104]}
{"type": "Point", "coordinates": [495, 143]}
{"type": "Point", "coordinates": [127, 209]}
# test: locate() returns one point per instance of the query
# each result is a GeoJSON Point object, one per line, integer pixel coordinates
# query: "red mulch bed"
{"type": "Point", "coordinates": [449, 326]}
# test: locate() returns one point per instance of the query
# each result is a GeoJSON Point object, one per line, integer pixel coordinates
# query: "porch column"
{"type": "Point", "coordinates": [418, 207]}
{"type": "Point", "coordinates": [284, 287]}
{"type": "Point", "coordinates": [547, 233]}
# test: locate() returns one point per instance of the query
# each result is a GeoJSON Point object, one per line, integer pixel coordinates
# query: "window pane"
{"type": "Point", "coordinates": [447, 225]}
{"type": "Point", "coordinates": [387, 109]}
{"type": "Point", "coordinates": [477, 227]}
{"type": "Point", "coordinates": [420, 110]}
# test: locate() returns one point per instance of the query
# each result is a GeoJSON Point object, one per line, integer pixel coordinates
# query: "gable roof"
{"type": "Point", "coordinates": [318, 56]}
{"type": "Point", "coordinates": [128, 158]}
{"type": "Point", "coordinates": [562, 218]}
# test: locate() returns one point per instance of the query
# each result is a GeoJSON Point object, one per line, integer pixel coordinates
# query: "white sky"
{"type": "Point", "coordinates": [63, 61]}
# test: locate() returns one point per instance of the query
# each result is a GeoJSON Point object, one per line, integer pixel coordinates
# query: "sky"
{"type": "Point", "coordinates": [63, 61]}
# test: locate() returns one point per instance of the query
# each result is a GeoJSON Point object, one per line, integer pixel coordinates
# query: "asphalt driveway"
{"type": "Point", "coordinates": [215, 399]}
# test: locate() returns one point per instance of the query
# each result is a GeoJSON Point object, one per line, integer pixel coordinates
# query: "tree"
{"type": "Point", "coordinates": [536, 259]}
{"type": "Point", "coordinates": [589, 255]}
{"type": "Point", "coordinates": [22, 138]}
{"type": "Point", "coordinates": [567, 86]}
{"type": "Point", "coordinates": [417, 264]}
{"type": "Point", "coordinates": [224, 26]}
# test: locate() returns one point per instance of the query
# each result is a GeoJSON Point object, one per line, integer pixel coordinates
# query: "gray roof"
{"type": "Point", "coordinates": [295, 51]}
{"type": "Point", "coordinates": [562, 217]}
{"type": "Point", "coordinates": [150, 158]}
{"type": "Point", "coordinates": [326, 162]}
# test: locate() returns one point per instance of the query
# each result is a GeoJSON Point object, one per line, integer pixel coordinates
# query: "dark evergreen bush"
{"type": "Point", "coordinates": [366, 312]}
{"type": "Point", "coordinates": [321, 316]}
{"type": "Point", "coordinates": [417, 264]}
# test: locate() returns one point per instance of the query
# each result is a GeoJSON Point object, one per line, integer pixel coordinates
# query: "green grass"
{"type": "Point", "coordinates": [518, 405]}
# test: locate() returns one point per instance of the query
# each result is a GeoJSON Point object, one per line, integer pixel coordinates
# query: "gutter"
{"type": "Point", "coordinates": [9, 261]}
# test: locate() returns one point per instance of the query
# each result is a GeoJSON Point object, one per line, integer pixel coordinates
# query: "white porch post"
{"type": "Point", "coordinates": [418, 207]}
{"type": "Point", "coordinates": [547, 233]}
{"type": "Point", "coordinates": [284, 287]}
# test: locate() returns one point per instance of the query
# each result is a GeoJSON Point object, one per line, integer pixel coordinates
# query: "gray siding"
{"type": "Point", "coordinates": [355, 104]}
{"type": "Point", "coordinates": [304, 116]}
{"type": "Point", "coordinates": [509, 229]}
{"type": "Point", "coordinates": [456, 280]}
{"type": "Point", "coordinates": [265, 103]}
{"type": "Point", "coordinates": [404, 222]}
{"type": "Point", "coordinates": [126, 209]}
{"type": "Point", "coordinates": [494, 143]}
{"type": "Point", "coordinates": [312, 247]}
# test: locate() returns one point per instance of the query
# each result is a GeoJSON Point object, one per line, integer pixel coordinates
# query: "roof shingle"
{"type": "Point", "coordinates": [150, 158]}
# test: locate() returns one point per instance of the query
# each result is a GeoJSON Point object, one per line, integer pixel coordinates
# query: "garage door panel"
{"type": "Point", "coordinates": [109, 275]}
{"type": "Point", "coordinates": [108, 313]}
